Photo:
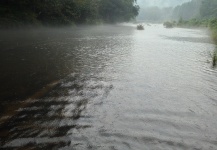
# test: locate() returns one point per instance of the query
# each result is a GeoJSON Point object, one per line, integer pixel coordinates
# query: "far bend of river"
{"type": "Point", "coordinates": [108, 88]}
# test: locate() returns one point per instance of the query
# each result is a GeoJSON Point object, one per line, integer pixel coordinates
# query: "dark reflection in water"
{"type": "Point", "coordinates": [49, 121]}
{"type": "Point", "coordinates": [107, 87]}
{"type": "Point", "coordinates": [190, 39]}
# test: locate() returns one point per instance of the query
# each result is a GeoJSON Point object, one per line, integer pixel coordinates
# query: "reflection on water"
{"type": "Point", "coordinates": [214, 58]}
{"type": "Point", "coordinates": [107, 87]}
{"type": "Point", "coordinates": [48, 121]}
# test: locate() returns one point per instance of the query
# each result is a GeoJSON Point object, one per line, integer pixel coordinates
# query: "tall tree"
{"type": "Point", "coordinates": [57, 12]}
{"type": "Point", "coordinates": [209, 9]}
{"type": "Point", "coordinates": [118, 10]}
{"type": "Point", "coordinates": [187, 10]}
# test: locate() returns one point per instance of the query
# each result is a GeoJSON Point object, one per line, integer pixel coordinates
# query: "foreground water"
{"type": "Point", "coordinates": [108, 87]}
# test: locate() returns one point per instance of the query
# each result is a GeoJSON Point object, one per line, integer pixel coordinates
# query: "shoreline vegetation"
{"type": "Point", "coordinates": [195, 23]}
{"type": "Point", "coordinates": [68, 13]}
{"type": "Point", "coordinates": [198, 14]}
{"type": "Point", "coordinates": [36, 13]}
{"type": "Point", "coordinates": [140, 27]}
{"type": "Point", "coordinates": [211, 24]}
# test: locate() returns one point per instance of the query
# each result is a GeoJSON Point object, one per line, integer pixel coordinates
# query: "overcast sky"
{"type": "Point", "coordinates": [160, 3]}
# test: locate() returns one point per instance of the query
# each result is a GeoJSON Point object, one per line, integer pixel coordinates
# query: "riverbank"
{"type": "Point", "coordinates": [65, 12]}
{"type": "Point", "coordinates": [206, 23]}
{"type": "Point", "coordinates": [213, 27]}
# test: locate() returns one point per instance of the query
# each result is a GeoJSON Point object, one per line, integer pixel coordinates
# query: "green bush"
{"type": "Point", "coordinates": [214, 60]}
{"type": "Point", "coordinates": [168, 24]}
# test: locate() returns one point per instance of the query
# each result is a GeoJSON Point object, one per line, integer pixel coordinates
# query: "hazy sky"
{"type": "Point", "coordinates": [160, 3]}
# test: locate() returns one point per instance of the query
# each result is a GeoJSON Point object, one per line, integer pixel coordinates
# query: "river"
{"type": "Point", "coordinates": [108, 87]}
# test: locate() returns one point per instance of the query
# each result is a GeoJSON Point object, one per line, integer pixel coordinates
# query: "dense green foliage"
{"type": "Point", "coordinates": [209, 9]}
{"type": "Point", "coordinates": [62, 12]}
{"type": "Point", "coordinates": [117, 10]}
{"type": "Point", "coordinates": [200, 9]}
{"type": "Point", "coordinates": [187, 10]}
{"type": "Point", "coordinates": [155, 14]}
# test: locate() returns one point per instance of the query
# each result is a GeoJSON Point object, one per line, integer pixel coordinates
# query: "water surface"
{"type": "Point", "coordinates": [108, 87]}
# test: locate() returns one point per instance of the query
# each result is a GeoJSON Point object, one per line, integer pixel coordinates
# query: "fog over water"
{"type": "Point", "coordinates": [75, 75]}
{"type": "Point", "coordinates": [108, 87]}
{"type": "Point", "coordinates": [160, 3]}
{"type": "Point", "coordinates": [159, 11]}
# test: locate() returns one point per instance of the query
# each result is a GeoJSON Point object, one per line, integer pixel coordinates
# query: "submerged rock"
{"type": "Point", "coordinates": [168, 25]}
{"type": "Point", "coordinates": [140, 27]}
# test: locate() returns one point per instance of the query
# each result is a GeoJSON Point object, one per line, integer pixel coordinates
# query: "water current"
{"type": "Point", "coordinates": [108, 87]}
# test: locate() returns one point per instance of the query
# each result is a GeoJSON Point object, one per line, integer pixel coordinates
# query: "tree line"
{"type": "Point", "coordinates": [205, 16]}
{"type": "Point", "coordinates": [194, 9]}
{"type": "Point", "coordinates": [197, 9]}
{"type": "Point", "coordinates": [66, 12]}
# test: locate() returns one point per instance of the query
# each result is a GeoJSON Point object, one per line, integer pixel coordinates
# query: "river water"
{"type": "Point", "coordinates": [108, 87]}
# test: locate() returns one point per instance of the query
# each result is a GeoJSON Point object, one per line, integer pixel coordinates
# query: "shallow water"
{"type": "Point", "coordinates": [113, 87]}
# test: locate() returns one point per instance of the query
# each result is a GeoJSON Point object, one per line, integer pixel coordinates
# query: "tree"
{"type": "Point", "coordinates": [187, 10]}
{"type": "Point", "coordinates": [209, 9]}
{"type": "Point", "coordinates": [118, 10]}
{"type": "Point", "coordinates": [63, 12]}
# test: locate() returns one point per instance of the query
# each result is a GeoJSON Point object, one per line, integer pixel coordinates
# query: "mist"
{"type": "Point", "coordinates": [160, 3]}
{"type": "Point", "coordinates": [164, 10]}
{"type": "Point", "coordinates": [108, 74]}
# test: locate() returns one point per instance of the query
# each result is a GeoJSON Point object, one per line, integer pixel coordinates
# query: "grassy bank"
{"type": "Point", "coordinates": [207, 23]}
{"type": "Point", "coordinates": [214, 60]}
{"type": "Point", "coordinates": [213, 28]}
